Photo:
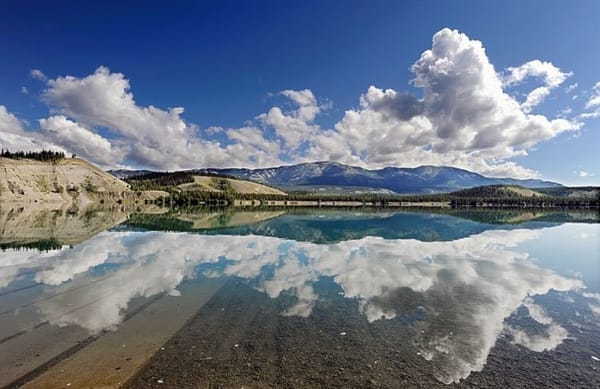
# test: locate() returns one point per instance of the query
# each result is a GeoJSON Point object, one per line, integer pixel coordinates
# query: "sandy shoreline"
{"type": "Point", "coordinates": [110, 358]}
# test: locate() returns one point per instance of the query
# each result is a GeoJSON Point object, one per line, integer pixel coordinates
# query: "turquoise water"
{"type": "Point", "coordinates": [452, 296]}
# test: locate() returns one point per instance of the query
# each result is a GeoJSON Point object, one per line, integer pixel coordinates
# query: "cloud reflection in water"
{"type": "Point", "coordinates": [466, 287]}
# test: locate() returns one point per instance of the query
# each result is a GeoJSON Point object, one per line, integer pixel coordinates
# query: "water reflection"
{"type": "Point", "coordinates": [329, 226]}
{"type": "Point", "coordinates": [50, 225]}
{"type": "Point", "coordinates": [462, 290]}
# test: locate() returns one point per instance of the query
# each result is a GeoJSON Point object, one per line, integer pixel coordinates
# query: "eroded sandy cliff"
{"type": "Point", "coordinates": [70, 180]}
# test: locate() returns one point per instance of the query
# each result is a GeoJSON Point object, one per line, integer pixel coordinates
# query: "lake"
{"type": "Point", "coordinates": [301, 298]}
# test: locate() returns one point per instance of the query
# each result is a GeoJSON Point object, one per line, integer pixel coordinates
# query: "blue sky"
{"type": "Point", "coordinates": [269, 83]}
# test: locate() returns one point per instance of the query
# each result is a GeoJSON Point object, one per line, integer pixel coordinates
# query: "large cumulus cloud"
{"type": "Point", "coordinates": [465, 118]}
{"type": "Point", "coordinates": [146, 136]}
{"type": "Point", "coordinates": [14, 136]}
{"type": "Point", "coordinates": [466, 115]}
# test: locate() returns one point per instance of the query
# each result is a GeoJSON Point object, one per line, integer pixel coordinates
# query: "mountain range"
{"type": "Point", "coordinates": [322, 176]}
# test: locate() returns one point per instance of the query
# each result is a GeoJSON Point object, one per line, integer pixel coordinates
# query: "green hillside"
{"type": "Point", "coordinates": [499, 191]}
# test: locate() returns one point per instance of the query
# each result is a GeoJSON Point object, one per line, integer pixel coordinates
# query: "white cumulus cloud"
{"type": "Point", "coordinates": [38, 74]}
{"type": "Point", "coordinates": [551, 76]}
{"type": "Point", "coordinates": [146, 136]}
{"type": "Point", "coordinates": [594, 100]}
{"type": "Point", "coordinates": [463, 117]}
{"type": "Point", "coordinates": [571, 88]}
{"type": "Point", "coordinates": [593, 104]}
{"type": "Point", "coordinates": [14, 137]}
{"type": "Point", "coordinates": [80, 140]}
{"type": "Point", "coordinates": [583, 173]}
{"type": "Point", "coordinates": [295, 127]}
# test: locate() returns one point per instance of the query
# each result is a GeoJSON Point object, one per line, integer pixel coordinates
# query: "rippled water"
{"type": "Point", "coordinates": [316, 298]}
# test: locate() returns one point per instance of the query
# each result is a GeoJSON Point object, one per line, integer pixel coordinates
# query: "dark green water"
{"type": "Point", "coordinates": [352, 299]}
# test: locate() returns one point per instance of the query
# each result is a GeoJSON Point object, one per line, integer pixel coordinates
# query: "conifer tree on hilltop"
{"type": "Point", "coordinates": [43, 155]}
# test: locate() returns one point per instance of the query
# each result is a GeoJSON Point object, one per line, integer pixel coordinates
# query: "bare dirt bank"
{"type": "Point", "coordinates": [69, 180]}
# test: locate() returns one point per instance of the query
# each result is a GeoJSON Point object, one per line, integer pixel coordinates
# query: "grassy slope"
{"type": "Point", "coordinates": [582, 192]}
{"type": "Point", "coordinates": [523, 192]}
{"type": "Point", "coordinates": [211, 184]}
{"type": "Point", "coordinates": [498, 191]}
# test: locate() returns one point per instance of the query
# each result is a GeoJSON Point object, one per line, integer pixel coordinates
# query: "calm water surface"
{"type": "Point", "coordinates": [320, 298]}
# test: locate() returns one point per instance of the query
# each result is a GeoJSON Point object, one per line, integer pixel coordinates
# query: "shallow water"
{"type": "Point", "coordinates": [315, 298]}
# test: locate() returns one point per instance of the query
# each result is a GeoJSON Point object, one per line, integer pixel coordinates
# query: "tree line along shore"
{"type": "Point", "coordinates": [449, 200]}
{"type": "Point", "coordinates": [495, 196]}
{"type": "Point", "coordinates": [49, 176]}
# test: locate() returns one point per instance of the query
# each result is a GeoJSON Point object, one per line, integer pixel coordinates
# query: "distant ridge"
{"type": "Point", "coordinates": [126, 173]}
{"type": "Point", "coordinates": [317, 176]}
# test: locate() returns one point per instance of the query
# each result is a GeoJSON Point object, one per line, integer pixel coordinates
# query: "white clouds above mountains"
{"type": "Point", "coordinates": [583, 173]}
{"type": "Point", "coordinates": [295, 127]}
{"type": "Point", "coordinates": [594, 100]}
{"type": "Point", "coordinates": [552, 77]}
{"type": "Point", "coordinates": [145, 136]}
{"type": "Point", "coordinates": [80, 140]}
{"type": "Point", "coordinates": [13, 135]}
{"type": "Point", "coordinates": [9, 123]}
{"type": "Point", "coordinates": [465, 118]}
{"type": "Point", "coordinates": [593, 104]}
{"type": "Point", "coordinates": [38, 74]}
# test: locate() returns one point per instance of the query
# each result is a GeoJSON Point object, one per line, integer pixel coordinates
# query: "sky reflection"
{"type": "Point", "coordinates": [465, 288]}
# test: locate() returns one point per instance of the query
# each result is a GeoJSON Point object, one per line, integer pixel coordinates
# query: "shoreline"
{"type": "Point", "coordinates": [119, 355]}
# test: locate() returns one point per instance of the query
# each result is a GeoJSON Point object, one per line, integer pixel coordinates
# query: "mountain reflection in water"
{"type": "Point", "coordinates": [461, 289]}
